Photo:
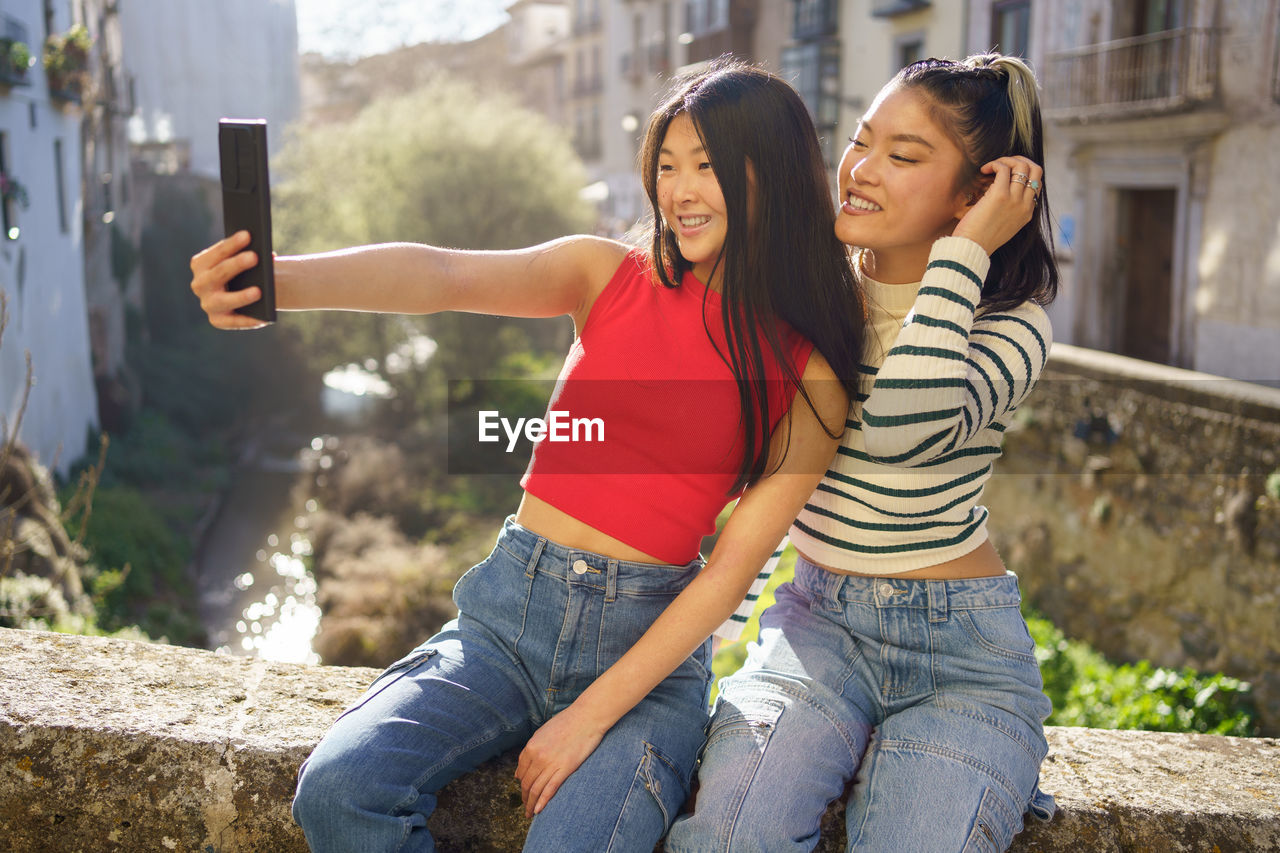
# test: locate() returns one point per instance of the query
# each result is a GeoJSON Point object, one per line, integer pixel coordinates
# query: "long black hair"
{"type": "Point", "coordinates": [781, 259]}
{"type": "Point", "coordinates": [987, 104]}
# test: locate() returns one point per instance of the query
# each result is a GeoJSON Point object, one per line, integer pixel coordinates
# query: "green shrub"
{"type": "Point", "coordinates": [1088, 690]}
{"type": "Point", "coordinates": [141, 564]}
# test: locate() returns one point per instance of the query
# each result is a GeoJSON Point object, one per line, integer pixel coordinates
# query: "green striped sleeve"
{"type": "Point", "coordinates": [955, 266]}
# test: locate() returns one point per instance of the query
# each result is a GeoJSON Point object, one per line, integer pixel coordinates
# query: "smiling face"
{"type": "Point", "coordinates": [898, 186]}
{"type": "Point", "coordinates": [690, 199]}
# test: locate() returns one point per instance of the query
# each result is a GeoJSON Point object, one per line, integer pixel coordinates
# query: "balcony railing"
{"type": "Point", "coordinates": [1160, 72]}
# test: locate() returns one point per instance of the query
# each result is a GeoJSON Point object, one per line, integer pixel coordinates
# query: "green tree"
{"type": "Point", "coordinates": [445, 165]}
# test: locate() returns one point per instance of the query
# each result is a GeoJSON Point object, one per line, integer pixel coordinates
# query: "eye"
{"type": "Point", "coordinates": [704, 165]}
{"type": "Point", "coordinates": [902, 159]}
{"type": "Point", "coordinates": [665, 167]}
{"type": "Point", "coordinates": [857, 143]}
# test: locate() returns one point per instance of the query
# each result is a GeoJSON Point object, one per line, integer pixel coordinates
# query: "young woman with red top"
{"type": "Point", "coordinates": [584, 637]}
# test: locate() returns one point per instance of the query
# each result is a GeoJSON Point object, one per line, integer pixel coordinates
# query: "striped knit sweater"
{"type": "Point", "coordinates": [939, 388]}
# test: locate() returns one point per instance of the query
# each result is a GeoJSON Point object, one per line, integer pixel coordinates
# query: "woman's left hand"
{"type": "Point", "coordinates": [1006, 206]}
{"type": "Point", "coordinates": [556, 750]}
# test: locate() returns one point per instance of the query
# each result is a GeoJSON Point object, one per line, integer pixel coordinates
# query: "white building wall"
{"type": "Point", "coordinates": [42, 269]}
{"type": "Point", "coordinates": [196, 61]}
{"type": "Point", "coordinates": [870, 46]}
{"type": "Point", "coordinates": [1222, 158]}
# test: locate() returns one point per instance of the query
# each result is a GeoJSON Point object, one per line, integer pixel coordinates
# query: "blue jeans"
{"type": "Point", "coordinates": [926, 694]}
{"type": "Point", "coordinates": [537, 623]}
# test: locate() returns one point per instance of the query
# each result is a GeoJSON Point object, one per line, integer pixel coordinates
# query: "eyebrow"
{"type": "Point", "coordinates": [904, 137]}
{"type": "Point", "coordinates": [665, 150]}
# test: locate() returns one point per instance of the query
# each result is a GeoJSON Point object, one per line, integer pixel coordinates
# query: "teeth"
{"type": "Point", "coordinates": [694, 221]}
{"type": "Point", "coordinates": [862, 204]}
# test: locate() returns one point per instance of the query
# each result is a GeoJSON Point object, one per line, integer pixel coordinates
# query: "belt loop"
{"type": "Point", "coordinates": [532, 566]}
{"type": "Point", "coordinates": [611, 581]}
{"type": "Point", "coordinates": [937, 601]}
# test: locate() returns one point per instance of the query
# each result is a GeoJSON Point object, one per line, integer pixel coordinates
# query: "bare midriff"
{"type": "Point", "coordinates": [542, 518]}
{"type": "Point", "coordinates": [981, 562]}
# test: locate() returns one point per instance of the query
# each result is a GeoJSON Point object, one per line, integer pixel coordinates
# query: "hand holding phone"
{"type": "Point", "coordinates": [246, 206]}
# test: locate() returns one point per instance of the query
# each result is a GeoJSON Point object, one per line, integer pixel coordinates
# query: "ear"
{"type": "Point", "coordinates": [968, 196]}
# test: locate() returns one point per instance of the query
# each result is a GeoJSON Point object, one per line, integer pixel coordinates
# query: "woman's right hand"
{"type": "Point", "coordinates": [210, 272]}
{"type": "Point", "coordinates": [1007, 204]}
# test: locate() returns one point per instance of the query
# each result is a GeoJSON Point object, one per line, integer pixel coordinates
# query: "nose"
{"type": "Point", "coordinates": [682, 187]}
{"type": "Point", "coordinates": [863, 169]}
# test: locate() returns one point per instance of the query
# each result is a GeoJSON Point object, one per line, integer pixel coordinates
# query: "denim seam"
{"type": "Point", "coordinates": [999, 725]}
{"type": "Point", "coordinates": [972, 630]}
{"type": "Point", "coordinates": [449, 758]}
{"type": "Point", "coordinates": [954, 755]}
{"type": "Point", "coordinates": [802, 694]}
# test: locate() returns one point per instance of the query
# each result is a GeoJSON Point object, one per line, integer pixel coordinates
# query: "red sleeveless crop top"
{"type": "Point", "coordinates": [649, 436]}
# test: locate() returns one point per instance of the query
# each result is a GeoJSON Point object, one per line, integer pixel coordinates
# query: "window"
{"type": "Point", "coordinates": [718, 15]}
{"type": "Point", "coordinates": [814, 70]}
{"type": "Point", "coordinates": [60, 177]}
{"type": "Point", "coordinates": [8, 205]}
{"type": "Point", "coordinates": [1011, 27]}
{"type": "Point", "coordinates": [815, 18]}
{"type": "Point", "coordinates": [906, 50]}
{"type": "Point", "coordinates": [1275, 62]}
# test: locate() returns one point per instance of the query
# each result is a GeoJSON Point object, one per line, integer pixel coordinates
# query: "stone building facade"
{"type": "Point", "coordinates": [42, 235]}
{"type": "Point", "coordinates": [1164, 146]}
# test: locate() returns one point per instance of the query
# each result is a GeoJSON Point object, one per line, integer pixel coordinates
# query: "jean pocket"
{"type": "Point", "coordinates": [468, 579]}
{"type": "Point", "coordinates": [999, 630]}
{"type": "Point", "coordinates": [658, 790]}
{"type": "Point", "coordinates": [749, 720]}
{"type": "Point", "coordinates": [388, 676]}
{"type": "Point", "coordinates": [994, 825]}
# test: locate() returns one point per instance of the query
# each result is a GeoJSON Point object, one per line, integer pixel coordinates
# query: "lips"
{"type": "Point", "coordinates": [857, 204]}
{"type": "Point", "coordinates": [691, 223]}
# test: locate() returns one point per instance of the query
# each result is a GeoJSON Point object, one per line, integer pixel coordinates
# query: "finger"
{"type": "Point", "coordinates": [548, 791]}
{"type": "Point", "coordinates": [539, 794]}
{"type": "Point", "coordinates": [215, 278]}
{"type": "Point", "coordinates": [219, 251]}
{"type": "Point", "coordinates": [224, 302]}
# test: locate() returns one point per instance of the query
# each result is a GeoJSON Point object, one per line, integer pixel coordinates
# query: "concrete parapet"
{"type": "Point", "coordinates": [109, 745]}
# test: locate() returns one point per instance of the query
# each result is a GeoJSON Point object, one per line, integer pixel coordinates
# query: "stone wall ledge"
{"type": "Point", "coordinates": [1229, 397]}
{"type": "Point", "coordinates": [109, 745]}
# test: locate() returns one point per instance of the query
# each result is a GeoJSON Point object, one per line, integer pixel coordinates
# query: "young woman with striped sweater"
{"type": "Point", "coordinates": [898, 659]}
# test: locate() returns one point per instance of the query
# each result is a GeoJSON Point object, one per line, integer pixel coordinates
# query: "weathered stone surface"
{"type": "Point", "coordinates": [1132, 503]}
{"type": "Point", "coordinates": [108, 745]}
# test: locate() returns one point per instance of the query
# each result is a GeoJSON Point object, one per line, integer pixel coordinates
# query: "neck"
{"type": "Point", "coordinates": [894, 267]}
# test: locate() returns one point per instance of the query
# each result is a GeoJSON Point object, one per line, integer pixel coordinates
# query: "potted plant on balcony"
{"type": "Point", "coordinates": [12, 190]}
{"type": "Point", "coordinates": [15, 59]}
{"type": "Point", "coordinates": [66, 63]}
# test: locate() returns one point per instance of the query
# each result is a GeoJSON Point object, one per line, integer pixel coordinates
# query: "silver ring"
{"type": "Point", "coordinates": [1019, 178]}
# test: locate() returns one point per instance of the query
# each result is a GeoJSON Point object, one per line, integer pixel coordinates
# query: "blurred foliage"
{"type": "Point", "coordinates": [1086, 689]}
{"type": "Point", "coordinates": [443, 165]}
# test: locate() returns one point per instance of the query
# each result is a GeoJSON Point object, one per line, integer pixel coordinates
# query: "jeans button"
{"type": "Point", "coordinates": [886, 590]}
{"type": "Point", "coordinates": [579, 567]}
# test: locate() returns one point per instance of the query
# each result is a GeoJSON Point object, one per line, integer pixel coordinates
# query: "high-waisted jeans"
{"type": "Point", "coordinates": [926, 694]}
{"type": "Point", "coordinates": [537, 623]}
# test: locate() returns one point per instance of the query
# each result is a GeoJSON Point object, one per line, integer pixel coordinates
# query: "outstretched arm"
{"type": "Point", "coordinates": [757, 524]}
{"type": "Point", "coordinates": [560, 277]}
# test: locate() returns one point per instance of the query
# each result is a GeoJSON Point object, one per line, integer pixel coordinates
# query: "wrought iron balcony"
{"type": "Point", "coordinates": [1157, 73]}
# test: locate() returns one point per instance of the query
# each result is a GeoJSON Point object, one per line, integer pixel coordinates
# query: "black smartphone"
{"type": "Point", "coordinates": [246, 206]}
